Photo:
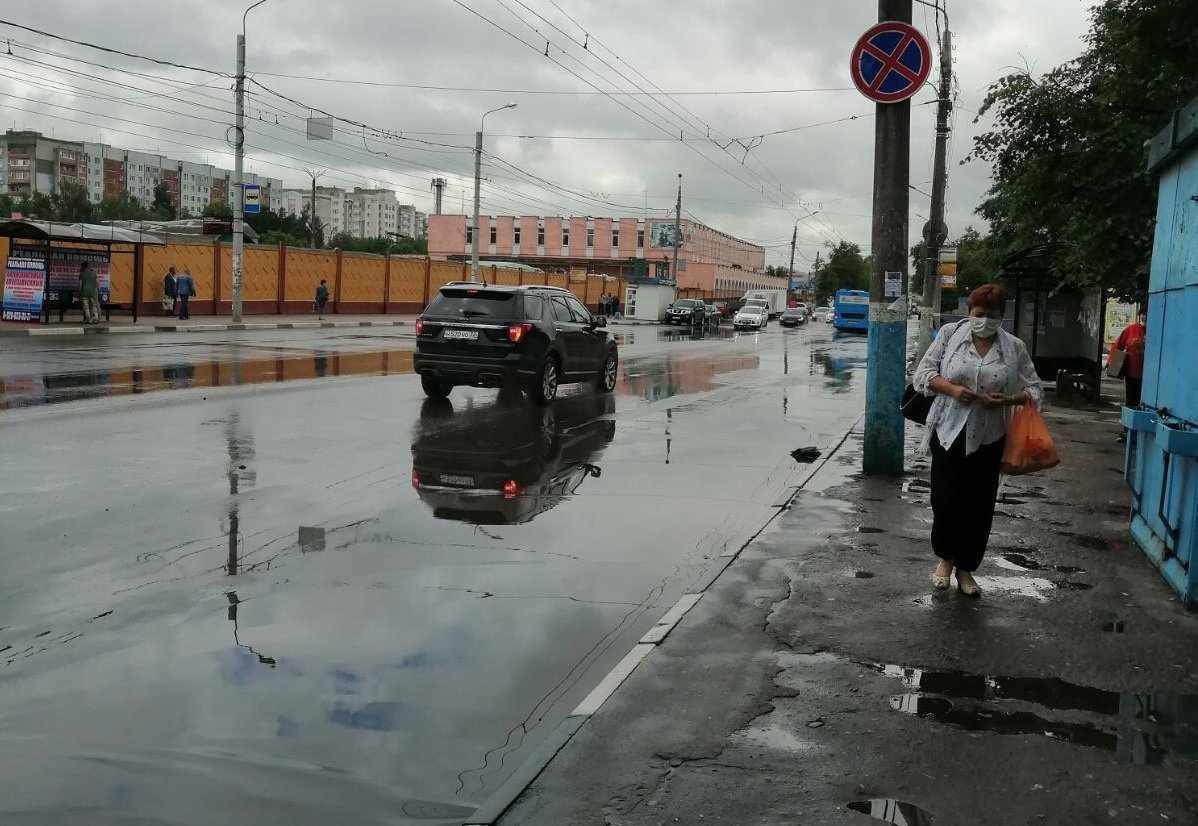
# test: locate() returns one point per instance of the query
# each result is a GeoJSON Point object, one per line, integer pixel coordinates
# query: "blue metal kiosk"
{"type": "Point", "coordinates": [1162, 449]}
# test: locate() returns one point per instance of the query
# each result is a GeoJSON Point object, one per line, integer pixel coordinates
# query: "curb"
{"type": "Point", "coordinates": [70, 330]}
{"type": "Point", "coordinates": [508, 792]}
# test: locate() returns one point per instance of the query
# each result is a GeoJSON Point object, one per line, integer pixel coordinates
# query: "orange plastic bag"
{"type": "Point", "coordinates": [1029, 448]}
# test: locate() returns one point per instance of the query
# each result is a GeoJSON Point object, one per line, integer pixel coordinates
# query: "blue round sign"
{"type": "Point", "coordinates": [890, 62]}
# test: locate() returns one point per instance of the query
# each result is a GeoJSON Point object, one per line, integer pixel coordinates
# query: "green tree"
{"type": "Point", "coordinates": [70, 203]}
{"type": "Point", "coordinates": [37, 205]}
{"type": "Point", "coordinates": [979, 258]}
{"type": "Point", "coordinates": [161, 208]}
{"type": "Point", "coordinates": [274, 236]}
{"type": "Point", "coordinates": [8, 206]}
{"type": "Point", "coordinates": [123, 207]}
{"type": "Point", "coordinates": [845, 269]}
{"type": "Point", "coordinates": [1067, 151]}
{"type": "Point", "coordinates": [218, 209]}
{"type": "Point", "coordinates": [777, 272]}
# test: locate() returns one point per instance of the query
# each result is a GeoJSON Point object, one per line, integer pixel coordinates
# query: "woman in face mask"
{"type": "Point", "coordinates": [978, 372]}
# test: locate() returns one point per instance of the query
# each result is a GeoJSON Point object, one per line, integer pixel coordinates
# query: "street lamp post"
{"type": "Point", "coordinates": [478, 166]}
{"type": "Point", "coordinates": [239, 162]}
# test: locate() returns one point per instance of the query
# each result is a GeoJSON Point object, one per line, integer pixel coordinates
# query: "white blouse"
{"type": "Point", "coordinates": [1006, 369]}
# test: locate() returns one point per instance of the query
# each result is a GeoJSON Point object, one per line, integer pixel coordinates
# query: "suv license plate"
{"type": "Point", "coordinates": [458, 481]}
{"type": "Point", "coordinates": [462, 335]}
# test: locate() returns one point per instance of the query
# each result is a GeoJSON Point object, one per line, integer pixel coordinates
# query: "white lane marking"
{"type": "Point", "coordinates": [598, 696]}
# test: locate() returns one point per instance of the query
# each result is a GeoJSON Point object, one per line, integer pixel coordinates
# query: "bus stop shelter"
{"type": "Point", "coordinates": [52, 251]}
{"type": "Point", "coordinates": [1060, 324]}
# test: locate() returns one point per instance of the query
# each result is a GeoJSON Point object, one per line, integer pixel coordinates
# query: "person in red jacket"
{"type": "Point", "coordinates": [1131, 340]}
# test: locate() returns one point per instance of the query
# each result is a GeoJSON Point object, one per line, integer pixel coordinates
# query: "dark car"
{"type": "Point", "coordinates": [687, 311]}
{"type": "Point", "coordinates": [534, 338]}
{"type": "Point", "coordinates": [793, 317]}
{"type": "Point", "coordinates": [505, 465]}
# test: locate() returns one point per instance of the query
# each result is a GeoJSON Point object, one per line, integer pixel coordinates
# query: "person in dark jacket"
{"type": "Point", "coordinates": [185, 288]}
{"type": "Point", "coordinates": [322, 298]}
{"type": "Point", "coordinates": [169, 291]}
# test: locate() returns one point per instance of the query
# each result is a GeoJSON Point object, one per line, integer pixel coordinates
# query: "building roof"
{"type": "Point", "coordinates": [55, 231]}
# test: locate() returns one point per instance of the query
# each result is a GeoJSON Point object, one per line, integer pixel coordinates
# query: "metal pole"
{"type": "Point", "coordinates": [677, 227]}
{"type": "Point", "coordinates": [478, 167]}
{"type": "Point", "coordinates": [312, 217]}
{"type": "Point", "coordinates": [930, 308]}
{"type": "Point", "coordinates": [790, 272]}
{"type": "Point", "coordinates": [238, 183]}
{"type": "Point", "coordinates": [886, 374]}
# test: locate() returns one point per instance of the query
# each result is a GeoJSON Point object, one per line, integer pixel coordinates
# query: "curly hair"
{"type": "Point", "coordinates": [990, 297]}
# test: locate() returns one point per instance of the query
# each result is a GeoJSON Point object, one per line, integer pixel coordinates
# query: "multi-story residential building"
{"type": "Point", "coordinates": [708, 259]}
{"type": "Point", "coordinates": [412, 224]}
{"type": "Point", "coordinates": [375, 213]}
{"type": "Point", "coordinates": [34, 163]}
{"type": "Point", "coordinates": [333, 207]}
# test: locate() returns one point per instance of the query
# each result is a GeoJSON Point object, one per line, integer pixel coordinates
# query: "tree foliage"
{"type": "Point", "coordinates": [218, 209]}
{"type": "Point", "coordinates": [161, 208]}
{"type": "Point", "coordinates": [979, 258]}
{"type": "Point", "coordinates": [845, 269]}
{"type": "Point", "coordinates": [380, 245]}
{"type": "Point", "coordinates": [1067, 148]}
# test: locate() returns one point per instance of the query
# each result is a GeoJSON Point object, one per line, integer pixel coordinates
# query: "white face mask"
{"type": "Point", "coordinates": [984, 327]}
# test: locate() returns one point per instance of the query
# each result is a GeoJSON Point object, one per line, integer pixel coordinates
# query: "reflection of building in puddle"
{"type": "Point", "coordinates": [1141, 729]}
{"type": "Point", "coordinates": [29, 391]}
{"type": "Point", "coordinates": [673, 375]}
{"type": "Point", "coordinates": [508, 463]}
{"type": "Point", "coordinates": [839, 362]}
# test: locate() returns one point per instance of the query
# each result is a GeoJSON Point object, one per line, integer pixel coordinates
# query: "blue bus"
{"type": "Point", "coordinates": [851, 310]}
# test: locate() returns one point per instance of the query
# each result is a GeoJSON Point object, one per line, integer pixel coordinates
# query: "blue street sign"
{"type": "Point", "coordinates": [252, 203]}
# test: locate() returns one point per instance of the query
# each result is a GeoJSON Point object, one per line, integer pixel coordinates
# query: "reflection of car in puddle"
{"type": "Point", "coordinates": [508, 463]}
{"type": "Point", "coordinates": [841, 358]}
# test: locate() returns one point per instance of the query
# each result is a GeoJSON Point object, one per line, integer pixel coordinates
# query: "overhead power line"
{"type": "Point", "coordinates": [110, 50]}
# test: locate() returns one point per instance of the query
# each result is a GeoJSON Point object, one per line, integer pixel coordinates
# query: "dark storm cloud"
{"type": "Point", "coordinates": [696, 45]}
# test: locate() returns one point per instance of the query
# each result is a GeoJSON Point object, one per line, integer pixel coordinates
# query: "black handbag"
{"type": "Point", "coordinates": [916, 405]}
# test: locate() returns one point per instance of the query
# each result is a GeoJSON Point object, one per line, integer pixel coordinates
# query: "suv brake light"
{"type": "Point", "coordinates": [512, 489]}
{"type": "Point", "coordinates": [517, 332]}
{"type": "Point", "coordinates": [420, 326]}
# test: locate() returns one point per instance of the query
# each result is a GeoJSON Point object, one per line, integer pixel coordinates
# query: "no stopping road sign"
{"type": "Point", "coordinates": [890, 62]}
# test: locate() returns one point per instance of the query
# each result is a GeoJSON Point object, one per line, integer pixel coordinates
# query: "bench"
{"type": "Point", "coordinates": [69, 301]}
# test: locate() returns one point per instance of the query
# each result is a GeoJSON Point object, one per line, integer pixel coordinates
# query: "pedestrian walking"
{"type": "Point", "coordinates": [605, 305]}
{"type": "Point", "coordinates": [322, 298]}
{"type": "Point", "coordinates": [185, 289]}
{"type": "Point", "coordinates": [89, 294]}
{"type": "Point", "coordinates": [169, 291]}
{"type": "Point", "coordinates": [976, 371]}
{"type": "Point", "coordinates": [1131, 343]}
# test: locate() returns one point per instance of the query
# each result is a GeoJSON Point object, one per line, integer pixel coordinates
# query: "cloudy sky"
{"type": "Point", "coordinates": [575, 151]}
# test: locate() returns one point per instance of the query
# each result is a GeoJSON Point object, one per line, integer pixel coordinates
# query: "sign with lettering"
{"type": "Point", "coordinates": [24, 285]}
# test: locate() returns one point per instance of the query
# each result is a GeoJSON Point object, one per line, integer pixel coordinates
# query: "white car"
{"type": "Point", "coordinates": [823, 314]}
{"type": "Point", "coordinates": [751, 318]}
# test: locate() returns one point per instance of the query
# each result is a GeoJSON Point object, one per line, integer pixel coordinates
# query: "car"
{"type": "Point", "coordinates": [751, 318]}
{"type": "Point", "coordinates": [714, 316]}
{"type": "Point", "coordinates": [823, 314]}
{"type": "Point", "coordinates": [758, 302]}
{"type": "Point", "coordinates": [534, 338]}
{"type": "Point", "coordinates": [690, 311]}
{"type": "Point", "coordinates": [793, 317]}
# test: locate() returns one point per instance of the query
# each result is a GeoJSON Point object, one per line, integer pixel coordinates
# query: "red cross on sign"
{"type": "Point", "coordinates": [890, 62]}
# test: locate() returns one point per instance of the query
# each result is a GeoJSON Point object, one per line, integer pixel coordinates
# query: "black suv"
{"type": "Point", "coordinates": [535, 338]}
{"type": "Point", "coordinates": [687, 311]}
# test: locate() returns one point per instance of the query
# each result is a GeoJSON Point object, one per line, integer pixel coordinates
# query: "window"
{"type": "Point", "coordinates": [540, 236]}
{"type": "Point", "coordinates": [590, 237]}
{"type": "Point", "coordinates": [581, 314]}
{"type": "Point", "coordinates": [640, 237]}
{"type": "Point", "coordinates": [494, 234]}
{"type": "Point", "coordinates": [561, 310]}
{"type": "Point", "coordinates": [565, 236]}
{"type": "Point", "coordinates": [516, 236]}
{"type": "Point", "coordinates": [469, 234]}
{"type": "Point", "coordinates": [615, 237]}
{"type": "Point", "coordinates": [534, 306]}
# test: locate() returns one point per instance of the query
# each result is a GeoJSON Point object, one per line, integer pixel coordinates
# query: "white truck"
{"type": "Point", "coordinates": [775, 300]}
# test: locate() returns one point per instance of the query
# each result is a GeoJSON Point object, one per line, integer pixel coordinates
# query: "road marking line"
{"type": "Point", "coordinates": [598, 696]}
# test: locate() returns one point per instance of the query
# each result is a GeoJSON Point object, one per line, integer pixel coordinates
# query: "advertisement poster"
{"type": "Point", "coordinates": [64, 272]}
{"type": "Point", "coordinates": [661, 236]}
{"type": "Point", "coordinates": [24, 285]}
{"type": "Point", "coordinates": [1118, 317]}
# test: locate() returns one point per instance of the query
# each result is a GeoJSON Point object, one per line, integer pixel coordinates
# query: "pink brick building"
{"type": "Point", "coordinates": [709, 260]}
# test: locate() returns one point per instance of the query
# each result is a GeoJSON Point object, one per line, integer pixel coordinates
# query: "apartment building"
{"type": "Point", "coordinates": [34, 163]}
{"type": "Point", "coordinates": [363, 213]}
{"type": "Point", "coordinates": [332, 207]}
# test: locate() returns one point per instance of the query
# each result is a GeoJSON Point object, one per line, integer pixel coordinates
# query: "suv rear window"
{"type": "Point", "coordinates": [472, 302]}
{"type": "Point", "coordinates": [686, 304]}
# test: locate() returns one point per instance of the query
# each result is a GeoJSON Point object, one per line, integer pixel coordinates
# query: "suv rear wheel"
{"type": "Point", "coordinates": [435, 388]}
{"type": "Point", "coordinates": [544, 386]}
{"type": "Point", "coordinates": [607, 374]}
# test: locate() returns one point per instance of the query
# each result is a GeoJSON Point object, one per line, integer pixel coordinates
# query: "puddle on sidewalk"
{"type": "Point", "coordinates": [1022, 562]}
{"type": "Point", "coordinates": [32, 391]}
{"type": "Point", "coordinates": [1142, 729]}
{"type": "Point", "coordinates": [889, 810]}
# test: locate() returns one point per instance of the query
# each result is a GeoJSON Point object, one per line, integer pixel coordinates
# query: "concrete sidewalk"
{"type": "Point", "coordinates": [820, 680]}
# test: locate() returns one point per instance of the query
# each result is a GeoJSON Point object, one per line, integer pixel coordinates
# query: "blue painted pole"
{"type": "Point", "coordinates": [886, 373]}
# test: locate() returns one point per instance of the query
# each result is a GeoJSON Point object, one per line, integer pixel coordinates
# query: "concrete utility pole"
{"type": "Point", "coordinates": [677, 227]}
{"type": "Point", "coordinates": [790, 272]}
{"type": "Point", "coordinates": [478, 179]}
{"type": "Point", "coordinates": [238, 164]}
{"type": "Point", "coordinates": [930, 308]}
{"type": "Point", "coordinates": [886, 375]}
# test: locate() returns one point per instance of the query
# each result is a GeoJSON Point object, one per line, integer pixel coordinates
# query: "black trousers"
{"type": "Point", "coordinates": [1133, 388]}
{"type": "Point", "coordinates": [963, 492]}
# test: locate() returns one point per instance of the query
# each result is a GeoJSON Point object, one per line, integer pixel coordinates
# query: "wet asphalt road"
{"type": "Point", "coordinates": [257, 577]}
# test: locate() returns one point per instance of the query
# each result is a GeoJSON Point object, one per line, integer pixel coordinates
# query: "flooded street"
{"type": "Point", "coordinates": [258, 577]}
